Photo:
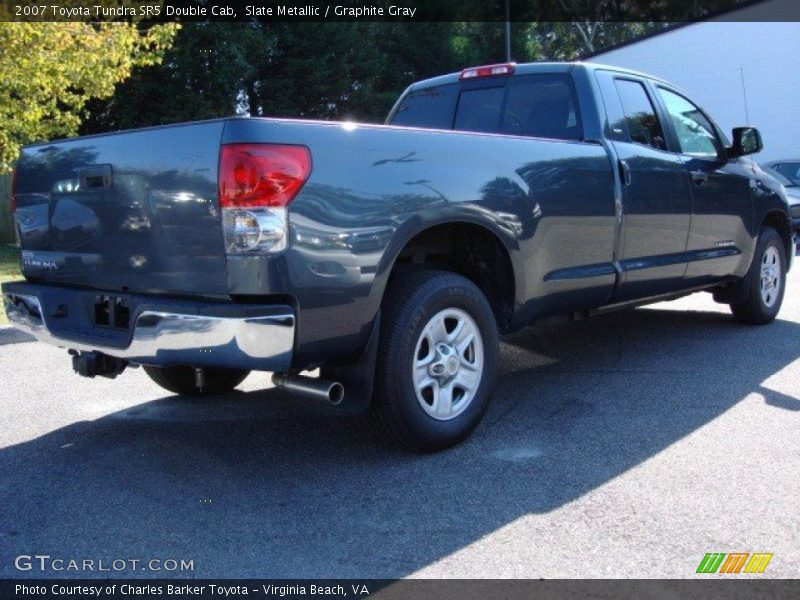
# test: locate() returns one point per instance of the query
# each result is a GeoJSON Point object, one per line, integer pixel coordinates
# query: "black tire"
{"type": "Point", "coordinates": [755, 310]}
{"type": "Point", "coordinates": [181, 380]}
{"type": "Point", "coordinates": [413, 299]}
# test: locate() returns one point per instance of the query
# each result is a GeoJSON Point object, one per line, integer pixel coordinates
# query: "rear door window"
{"type": "Point", "coordinates": [640, 116]}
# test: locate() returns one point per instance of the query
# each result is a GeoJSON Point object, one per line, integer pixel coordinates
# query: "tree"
{"type": "Point", "coordinates": [570, 40]}
{"type": "Point", "coordinates": [201, 76]}
{"type": "Point", "coordinates": [357, 69]}
{"type": "Point", "coordinates": [313, 70]}
{"type": "Point", "coordinates": [49, 71]}
{"type": "Point", "coordinates": [334, 70]}
{"type": "Point", "coordinates": [405, 53]}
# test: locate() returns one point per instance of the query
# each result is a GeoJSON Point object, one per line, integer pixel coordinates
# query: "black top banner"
{"type": "Point", "coordinates": [155, 11]}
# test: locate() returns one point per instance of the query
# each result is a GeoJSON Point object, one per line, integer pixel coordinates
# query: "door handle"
{"type": "Point", "coordinates": [625, 172]}
{"type": "Point", "coordinates": [699, 177]}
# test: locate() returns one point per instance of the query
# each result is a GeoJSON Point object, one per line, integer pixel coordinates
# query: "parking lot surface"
{"type": "Point", "coordinates": [624, 446]}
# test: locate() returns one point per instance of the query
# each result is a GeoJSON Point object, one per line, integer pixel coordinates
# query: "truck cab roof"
{"type": "Point", "coordinates": [530, 69]}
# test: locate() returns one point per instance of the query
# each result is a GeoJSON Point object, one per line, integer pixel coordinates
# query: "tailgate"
{"type": "Point", "coordinates": [131, 211]}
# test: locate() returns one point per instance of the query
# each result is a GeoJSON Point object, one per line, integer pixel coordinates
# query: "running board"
{"type": "Point", "coordinates": [609, 308]}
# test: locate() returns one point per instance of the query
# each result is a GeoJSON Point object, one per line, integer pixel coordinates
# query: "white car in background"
{"type": "Point", "coordinates": [787, 172]}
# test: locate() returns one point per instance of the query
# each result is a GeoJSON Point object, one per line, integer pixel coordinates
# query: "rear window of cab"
{"type": "Point", "coordinates": [542, 105]}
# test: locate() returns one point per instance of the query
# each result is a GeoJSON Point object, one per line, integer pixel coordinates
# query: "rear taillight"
{"type": "Point", "coordinates": [262, 174]}
{"type": "Point", "coordinates": [13, 202]}
{"type": "Point", "coordinates": [256, 184]}
{"type": "Point", "coordinates": [488, 71]}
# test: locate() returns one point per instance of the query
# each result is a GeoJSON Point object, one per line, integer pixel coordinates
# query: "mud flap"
{"type": "Point", "coordinates": [733, 293]}
{"type": "Point", "coordinates": [359, 377]}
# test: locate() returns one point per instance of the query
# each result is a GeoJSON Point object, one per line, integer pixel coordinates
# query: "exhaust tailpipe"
{"type": "Point", "coordinates": [318, 389]}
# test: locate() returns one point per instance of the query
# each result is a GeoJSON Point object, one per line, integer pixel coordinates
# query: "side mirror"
{"type": "Point", "coordinates": [746, 140]}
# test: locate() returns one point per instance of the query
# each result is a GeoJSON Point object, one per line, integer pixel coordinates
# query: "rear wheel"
{"type": "Point", "coordinates": [437, 360]}
{"type": "Point", "coordinates": [187, 381]}
{"type": "Point", "coordinates": [766, 281]}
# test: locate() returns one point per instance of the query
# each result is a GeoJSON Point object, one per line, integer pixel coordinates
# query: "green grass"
{"type": "Point", "coordinates": [9, 271]}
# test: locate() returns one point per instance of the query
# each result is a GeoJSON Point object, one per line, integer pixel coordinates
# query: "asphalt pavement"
{"type": "Point", "coordinates": [624, 446]}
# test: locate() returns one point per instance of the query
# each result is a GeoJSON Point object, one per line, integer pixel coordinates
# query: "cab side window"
{"type": "Point", "coordinates": [695, 132]}
{"type": "Point", "coordinates": [640, 116]}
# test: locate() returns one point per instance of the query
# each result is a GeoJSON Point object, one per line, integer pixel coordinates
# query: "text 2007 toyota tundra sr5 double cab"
{"type": "Point", "coordinates": [391, 257]}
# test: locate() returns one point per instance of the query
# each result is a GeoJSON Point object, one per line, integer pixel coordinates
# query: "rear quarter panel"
{"type": "Point", "coordinates": [373, 188]}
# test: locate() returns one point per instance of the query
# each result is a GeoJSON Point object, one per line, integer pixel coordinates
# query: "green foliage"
{"type": "Point", "coordinates": [9, 271]}
{"type": "Point", "coordinates": [406, 52]}
{"type": "Point", "coordinates": [332, 70]}
{"type": "Point", "coordinates": [49, 71]}
{"type": "Point", "coordinates": [573, 39]}
{"type": "Point", "coordinates": [55, 75]}
{"type": "Point", "coordinates": [314, 70]}
{"type": "Point", "coordinates": [9, 263]}
{"type": "Point", "coordinates": [199, 77]}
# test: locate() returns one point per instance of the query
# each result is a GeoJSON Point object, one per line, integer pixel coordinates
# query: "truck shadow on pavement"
{"type": "Point", "coordinates": [262, 485]}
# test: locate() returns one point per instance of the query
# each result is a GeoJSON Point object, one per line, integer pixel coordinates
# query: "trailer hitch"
{"type": "Point", "coordinates": [92, 364]}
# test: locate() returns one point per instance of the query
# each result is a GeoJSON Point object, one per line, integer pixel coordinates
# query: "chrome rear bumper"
{"type": "Point", "coordinates": [171, 338]}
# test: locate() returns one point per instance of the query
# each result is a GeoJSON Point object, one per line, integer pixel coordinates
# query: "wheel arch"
{"type": "Point", "coordinates": [780, 222]}
{"type": "Point", "coordinates": [459, 244]}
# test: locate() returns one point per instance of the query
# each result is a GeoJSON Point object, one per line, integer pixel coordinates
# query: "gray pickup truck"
{"type": "Point", "coordinates": [390, 257]}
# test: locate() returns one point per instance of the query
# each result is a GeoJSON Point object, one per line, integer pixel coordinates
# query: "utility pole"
{"type": "Point", "coordinates": [508, 30]}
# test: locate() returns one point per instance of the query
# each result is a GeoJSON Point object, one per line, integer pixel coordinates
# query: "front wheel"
{"type": "Point", "coordinates": [766, 280]}
{"type": "Point", "coordinates": [437, 360]}
{"type": "Point", "coordinates": [186, 381]}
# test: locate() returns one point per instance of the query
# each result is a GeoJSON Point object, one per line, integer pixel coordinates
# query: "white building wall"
{"type": "Point", "coordinates": [710, 60]}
